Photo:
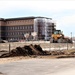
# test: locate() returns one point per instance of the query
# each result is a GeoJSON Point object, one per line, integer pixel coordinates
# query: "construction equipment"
{"type": "Point", "coordinates": [58, 37]}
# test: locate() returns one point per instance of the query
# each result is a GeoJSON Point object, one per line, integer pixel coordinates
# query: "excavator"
{"type": "Point", "coordinates": [58, 37]}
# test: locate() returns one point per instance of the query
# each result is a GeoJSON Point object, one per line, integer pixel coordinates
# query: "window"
{"type": "Point", "coordinates": [31, 27]}
{"type": "Point", "coordinates": [18, 27]}
{"type": "Point", "coordinates": [28, 27]}
{"type": "Point", "coordinates": [23, 27]}
{"type": "Point", "coordinates": [13, 28]}
{"type": "Point", "coordinates": [12, 33]}
{"type": "Point", "coordinates": [18, 33]}
{"type": "Point", "coordinates": [8, 33]}
{"type": "Point", "coordinates": [8, 28]}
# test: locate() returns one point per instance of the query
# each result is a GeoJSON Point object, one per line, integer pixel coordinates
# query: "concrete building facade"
{"type": "Point", "coordinates": [16, 28]}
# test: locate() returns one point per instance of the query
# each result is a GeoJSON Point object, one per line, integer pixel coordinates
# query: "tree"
{"type": "Point", "coordinates": [26, 36]}
{"type": "Point", "coordinates": [34, 34]}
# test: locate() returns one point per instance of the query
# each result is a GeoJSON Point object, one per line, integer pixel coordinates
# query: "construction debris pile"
{"type": "Point", "coordinates": [24, 51]}
{"type": "Point", "coordinates": [29, 50]}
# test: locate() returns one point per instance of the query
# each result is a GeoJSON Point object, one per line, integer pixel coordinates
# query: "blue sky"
{"type": "Point", "coordinates": [61, 11]}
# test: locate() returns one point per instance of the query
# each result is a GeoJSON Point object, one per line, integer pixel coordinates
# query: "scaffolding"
{"type": "Point", "coordinates": [44, 28]}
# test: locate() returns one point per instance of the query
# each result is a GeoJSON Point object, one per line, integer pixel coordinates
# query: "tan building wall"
{"type": "Point", "coordinates": [2, 23]}
{"type": "Point", "coordinates": [15, 28]}
{"type": "Point", "coordinates": [19, 22]}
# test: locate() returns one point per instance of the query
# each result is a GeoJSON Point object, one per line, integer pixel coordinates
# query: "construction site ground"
{"type": "Point", "coordinates": [17, 58]}
{"type": "Point", "coordinates": [33, 60]}
{"type": "Point", "coordinates": [34, 66]}
{"type": "Point", "coordinates": [35, 50]}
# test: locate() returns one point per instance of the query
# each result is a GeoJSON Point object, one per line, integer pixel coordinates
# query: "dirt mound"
{"type": "Point", "coordinates": [2, 73]}
{"type": "Point", "coordinates": [35, 50]}
{"type": "Point", "coordinates": [24, 51]}
{"type": "Point", "coordinates": [57, 52]}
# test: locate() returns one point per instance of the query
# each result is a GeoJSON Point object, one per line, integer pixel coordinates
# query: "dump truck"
{"type": "Point", "coordinates": [58, 37]}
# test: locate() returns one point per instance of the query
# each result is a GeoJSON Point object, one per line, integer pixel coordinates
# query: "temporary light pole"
{"type": "Point", "coordinates": [71, 36]}
{"type": "Point", "coordinates": [9, 47]}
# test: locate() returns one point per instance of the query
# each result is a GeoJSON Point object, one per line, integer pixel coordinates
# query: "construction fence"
{"type": "Point", "coordinates": [46, 45]}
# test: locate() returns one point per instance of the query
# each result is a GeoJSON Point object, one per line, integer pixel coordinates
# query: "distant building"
{"type": "Point", "coordinates": [16, 28]}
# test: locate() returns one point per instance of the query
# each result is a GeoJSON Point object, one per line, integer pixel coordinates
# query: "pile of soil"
{"type": "Point", "coordinates": [25, 51]}
{"type": "Point", "coordinates": [57, 52]}
{"type": "Point", "coordinates": [29, 50]}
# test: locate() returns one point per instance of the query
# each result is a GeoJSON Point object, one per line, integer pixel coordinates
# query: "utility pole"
{"type": "Point", "coordinates": [71, 36]}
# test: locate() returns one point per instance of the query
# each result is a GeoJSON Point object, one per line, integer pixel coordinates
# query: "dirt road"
{"type": "Point", "coordinates": [37, 66]}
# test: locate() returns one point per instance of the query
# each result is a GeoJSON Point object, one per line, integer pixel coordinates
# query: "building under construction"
{"type": "Point", "coordinates": [16, 28]}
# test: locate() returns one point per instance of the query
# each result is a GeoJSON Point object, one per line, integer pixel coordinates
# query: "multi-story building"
{"type": "Point", "coordinates": [16, 28]}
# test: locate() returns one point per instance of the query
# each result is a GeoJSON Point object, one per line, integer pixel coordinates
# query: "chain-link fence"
{"type": "Point", "coordinates": [46, 45]}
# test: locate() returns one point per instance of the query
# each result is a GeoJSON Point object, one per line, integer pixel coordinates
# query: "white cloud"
{"type": "Point", "coordinates": [43, 6]}
{"type": "Point", "coordinates": [67, 24]}
{"type": "Point", "coordinates": [67, 20]}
